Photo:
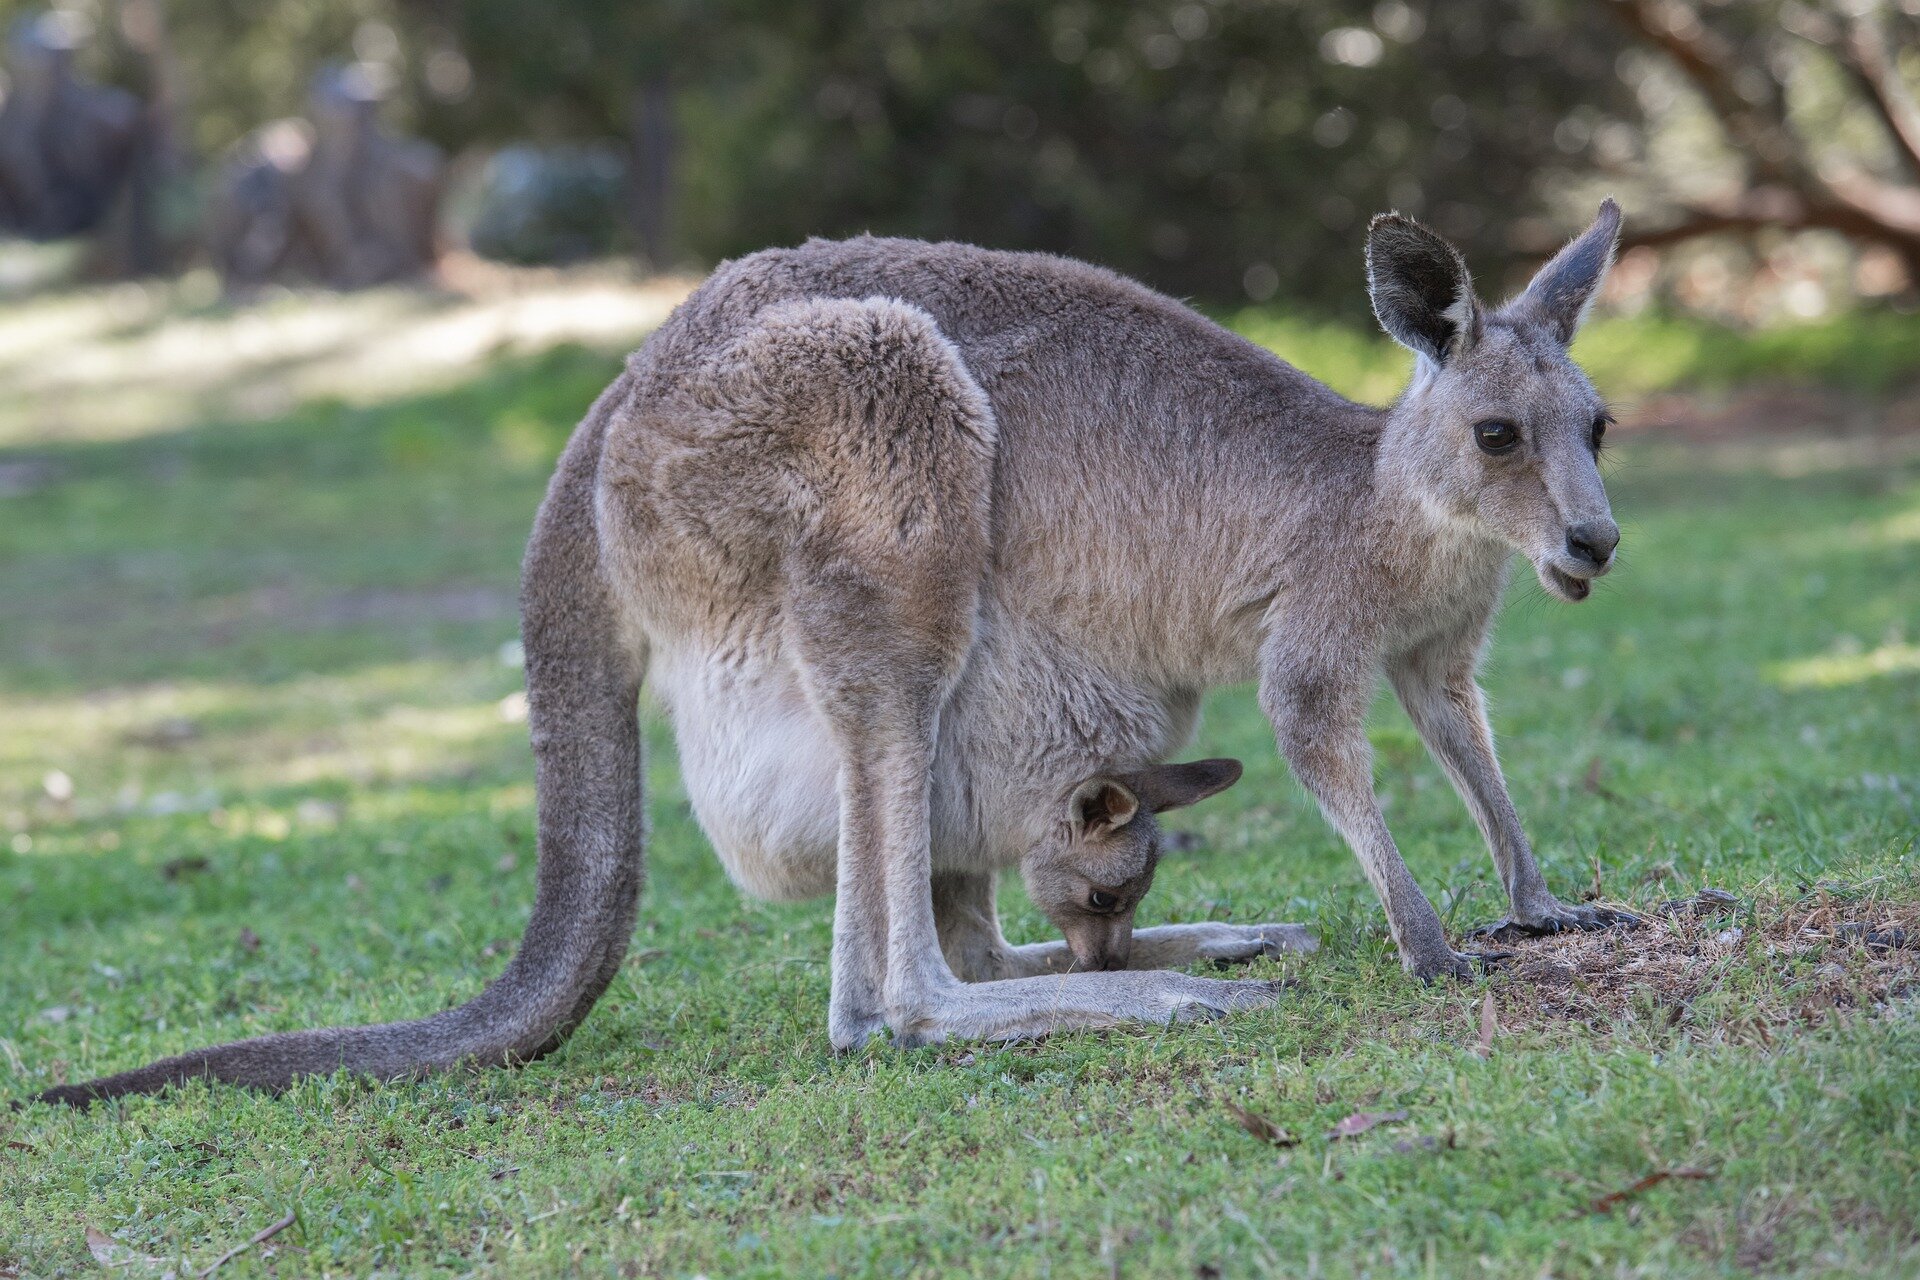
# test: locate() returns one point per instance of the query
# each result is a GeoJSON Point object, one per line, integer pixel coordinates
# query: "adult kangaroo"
{"type": "Point", "coordinates": [930, 551]}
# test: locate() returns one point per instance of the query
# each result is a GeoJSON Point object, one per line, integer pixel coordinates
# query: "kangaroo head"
{"type": "Point", "coordinates": [1090, 874]}
{"type": "Point", "coordinates": [1500, 430]}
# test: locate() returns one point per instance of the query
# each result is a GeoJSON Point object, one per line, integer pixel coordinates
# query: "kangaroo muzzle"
{"type": "Point", "coordinates": [1100, 943]}
{"type": "Point", "coordinates": [1593, 541]}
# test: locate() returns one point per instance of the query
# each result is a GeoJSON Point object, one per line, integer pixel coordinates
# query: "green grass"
{"type": "Point", "coordinates": [268, 660]}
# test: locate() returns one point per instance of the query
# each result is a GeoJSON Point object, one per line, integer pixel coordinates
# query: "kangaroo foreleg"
{"type": "Point", "coordinates": [1319, 721]}
{"type": "Point", "coordinates": [1446, 705]}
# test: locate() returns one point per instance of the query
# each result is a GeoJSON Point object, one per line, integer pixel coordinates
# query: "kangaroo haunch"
{"type": "Point", "coordinates": [931, 551]}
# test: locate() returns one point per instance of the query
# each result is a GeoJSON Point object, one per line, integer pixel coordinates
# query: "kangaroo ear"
{"type": "Point", "coordinates": [1420, 288]}
{"type": "Point", "coordinates": [1102, 805]}
{"type": "Point", "coordinates": [1563, 291]}
{"type": "Point", "coordinates": [1175, 786]}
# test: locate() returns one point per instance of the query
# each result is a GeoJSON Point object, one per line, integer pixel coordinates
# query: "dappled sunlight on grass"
{"type": "Point", "coordinates": [1831, 670]}
{"type": "Point", "coordinates": [129, 360]}
{"type": "Point", "coordinates": [194, 746]}
{"type": "Point", "coordinates": [1896, 530]}
{"type": "Point", "coordinates": [323, 541]}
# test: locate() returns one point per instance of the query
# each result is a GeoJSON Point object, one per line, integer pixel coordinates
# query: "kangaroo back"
{"type": "Point", "coordinates": [582, 686]}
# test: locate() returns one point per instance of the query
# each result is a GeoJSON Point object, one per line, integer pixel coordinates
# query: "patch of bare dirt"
{"type": "Point", "coordinates": [1792, 962]}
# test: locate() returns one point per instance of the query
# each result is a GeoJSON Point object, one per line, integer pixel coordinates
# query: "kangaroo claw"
{"type": "Point", "coordinates": [1558, 918]}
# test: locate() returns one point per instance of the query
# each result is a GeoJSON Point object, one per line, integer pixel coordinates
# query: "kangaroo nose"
{"type": "Point", "coordinates": [1593, 540]}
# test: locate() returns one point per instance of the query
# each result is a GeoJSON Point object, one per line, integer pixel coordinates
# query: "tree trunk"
{"type": "Point", "coordinates": [650, 171]}
{"type": "Point", "coordinates": [132, 242]}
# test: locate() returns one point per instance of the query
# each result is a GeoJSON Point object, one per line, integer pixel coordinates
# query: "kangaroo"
{"type": "Point", "coordinates": [930, 551]}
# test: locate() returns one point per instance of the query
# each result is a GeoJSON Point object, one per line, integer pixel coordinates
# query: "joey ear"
{"type": "Point", "coordinates": [1421, 291]}
{"type": "Point", "coordinates": [1175, 786]}
{"type": "Point", "coordinates": [1102, 805]}
{"type": "Point", "coordinates": [1562, 292]}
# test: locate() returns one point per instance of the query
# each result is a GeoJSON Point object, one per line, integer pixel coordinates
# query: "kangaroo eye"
{"type": "Point", "coordinates": [1600, 430]}
{"type": "Point", "coordinates": [1495, 436]}
{"type": "Point", "coordinates": [1100, 900]}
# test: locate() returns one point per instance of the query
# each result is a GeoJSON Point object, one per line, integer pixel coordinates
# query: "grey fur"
{"type": "Point", "coordinates": [931, 551]}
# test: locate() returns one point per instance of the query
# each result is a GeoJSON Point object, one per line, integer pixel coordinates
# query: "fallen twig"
{"type": "Point", "coordinates": [1606, 1203]}
{"type": "Point", "coordinates": [259, 1237]}
{"type": "Point", "coordinates": [1260, 1127]}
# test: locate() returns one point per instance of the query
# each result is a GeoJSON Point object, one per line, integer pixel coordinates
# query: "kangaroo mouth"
{"type": "Point", "coordinates": [1570, 580]}
{"type": "Point", "coordinates": [1565, 585]}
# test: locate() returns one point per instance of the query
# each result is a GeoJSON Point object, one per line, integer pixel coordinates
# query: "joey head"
{"type": "Point", "coordinates": [1096, 865]}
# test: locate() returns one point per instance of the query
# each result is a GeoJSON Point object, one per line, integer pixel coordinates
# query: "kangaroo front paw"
{"type": "Point", "coordinates": [1554, 916]}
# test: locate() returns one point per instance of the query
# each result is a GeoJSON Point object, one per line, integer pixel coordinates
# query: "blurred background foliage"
{"type": "Point", "coordinates": [1227, 150]}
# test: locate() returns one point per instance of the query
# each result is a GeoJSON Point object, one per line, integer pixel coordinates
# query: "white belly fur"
{"type": "Point", "coordinates": [761, 769]}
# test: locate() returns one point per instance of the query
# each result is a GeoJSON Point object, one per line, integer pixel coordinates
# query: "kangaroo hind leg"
{"type": "Point", "coordinates": [892, 448]}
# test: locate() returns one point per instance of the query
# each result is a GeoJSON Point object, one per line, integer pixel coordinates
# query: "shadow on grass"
{"type": "Point", "coordinates": [324, 540]}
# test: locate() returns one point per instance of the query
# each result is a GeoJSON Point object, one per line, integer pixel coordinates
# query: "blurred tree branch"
{"type": "Point", "coordinates": [1789, 183]}
{"type": "Point", "coordinates": [1858, 43]}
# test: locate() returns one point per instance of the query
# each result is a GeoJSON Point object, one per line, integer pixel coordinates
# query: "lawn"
{"type": "Point", "coordinates": [264, 767]}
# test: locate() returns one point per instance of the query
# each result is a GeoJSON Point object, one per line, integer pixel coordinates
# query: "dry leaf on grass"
{"type": "Point", "coordinates": [1489, 1025]}
{"type": "Point", "coordinates": [1260, 1127]}
{"type": "Point", "coordinates": [1361, 1121]}
{"type": "Point", "coordinates": [1606, 1203]}
{"type": "Point", "coordinates": [109, 1252]}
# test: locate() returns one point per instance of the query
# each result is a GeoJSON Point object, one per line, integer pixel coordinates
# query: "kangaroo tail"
{"type": "Point", "coordinates": [582, 686]}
